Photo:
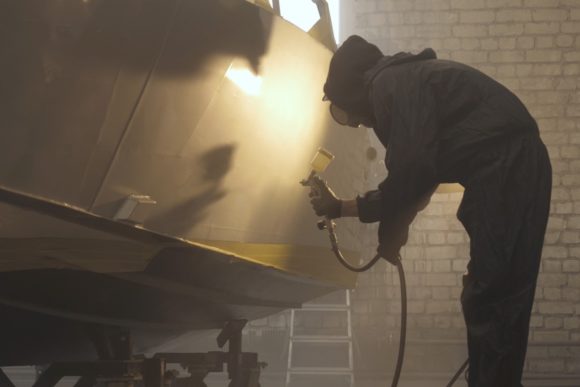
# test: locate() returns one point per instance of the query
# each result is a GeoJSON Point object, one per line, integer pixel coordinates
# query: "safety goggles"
{"type": "Point", "coordinates": [339, 115]}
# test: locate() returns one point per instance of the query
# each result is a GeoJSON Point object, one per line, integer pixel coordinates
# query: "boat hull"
{"type": "Point", "coordinates": [109, 100]}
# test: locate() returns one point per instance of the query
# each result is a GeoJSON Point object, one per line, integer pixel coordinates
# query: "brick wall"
{"type": "Point", "coordinates": [532, 47]}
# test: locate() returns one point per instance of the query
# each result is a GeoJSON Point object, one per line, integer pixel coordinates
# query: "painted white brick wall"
{"type": "Point", "coordinates": [532, 47]}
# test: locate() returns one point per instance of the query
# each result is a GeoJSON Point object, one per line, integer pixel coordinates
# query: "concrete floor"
{"type": "Point", "coordinates": [411, 383]}
{"type": "Point", "coordinates": [24, 377]}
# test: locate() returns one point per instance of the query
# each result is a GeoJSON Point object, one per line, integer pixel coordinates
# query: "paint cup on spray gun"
{"type": "Point", "coordinates": [319, 163]}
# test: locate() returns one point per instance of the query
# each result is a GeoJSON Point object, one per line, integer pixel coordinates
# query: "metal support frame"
{"type": "Point", "coordinates": [243, 367]}
{"type": "Point", "coordinates": [121, 367]}
{"type": "Point", "coordinates": [4, 380]}
{"type": "Point", "coordinates": [150, 371]}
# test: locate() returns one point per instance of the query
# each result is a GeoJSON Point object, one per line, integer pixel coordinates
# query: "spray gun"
{"type": "Point", "coordinates": [319, 163]}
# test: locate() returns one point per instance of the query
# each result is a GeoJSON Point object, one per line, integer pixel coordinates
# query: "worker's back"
{"type": "Point", "coordinates": [465, 109]}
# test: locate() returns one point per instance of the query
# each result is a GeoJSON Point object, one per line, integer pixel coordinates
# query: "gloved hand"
{"type": "Point", "coordinates": [394, 233]}
{"type": "Point", "coordinates": [323, 200]}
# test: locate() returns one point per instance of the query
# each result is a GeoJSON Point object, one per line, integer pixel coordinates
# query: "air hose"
{"type": "Point", "coordinates": [319, 163]}
{"type": "Point", "coordinates": [458, 373]}
{"type": "Point", "coordinates": [329, 225]}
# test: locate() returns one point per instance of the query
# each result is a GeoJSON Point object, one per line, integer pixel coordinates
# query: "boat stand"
{"type": "Point", "coordinates": [243, 367]}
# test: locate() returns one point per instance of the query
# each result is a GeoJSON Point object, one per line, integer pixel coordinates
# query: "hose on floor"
{"type": "Point", "coordinates": [458, 373]}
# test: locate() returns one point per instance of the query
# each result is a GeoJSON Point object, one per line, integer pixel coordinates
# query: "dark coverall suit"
{"type": "Point", "coordinates": [443, 121]}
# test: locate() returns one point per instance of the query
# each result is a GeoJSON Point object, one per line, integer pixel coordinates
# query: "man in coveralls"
{"type": "Point", "coordinates": [444, 122]}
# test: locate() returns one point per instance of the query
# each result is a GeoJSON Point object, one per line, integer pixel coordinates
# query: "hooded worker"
{"type": "Point", "coordinates": [445, 122]}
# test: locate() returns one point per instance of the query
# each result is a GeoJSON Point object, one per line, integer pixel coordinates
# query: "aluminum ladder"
{"type": "Point", "coordinates": [296, 339]}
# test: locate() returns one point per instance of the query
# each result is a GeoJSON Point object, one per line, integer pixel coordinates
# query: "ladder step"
{"type": "Point", "coordinates": [324, 308]}
{"type": "Point", "coordinates": [321, 370]}
{"type": "Point", "coordinates": [321, 339]}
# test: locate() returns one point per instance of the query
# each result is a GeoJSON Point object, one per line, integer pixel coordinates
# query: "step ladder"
{"type": "Point", "coordinates": [340, 340]}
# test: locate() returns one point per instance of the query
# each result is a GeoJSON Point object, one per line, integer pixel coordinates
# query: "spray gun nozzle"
{"type": "Point", "coordinates": [308, 180]}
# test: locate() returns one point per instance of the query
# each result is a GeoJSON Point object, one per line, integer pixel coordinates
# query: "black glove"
{"type": "Point", "coordinates": [323, 200]}
{"type": "Point", "coordinates": [394, 233]}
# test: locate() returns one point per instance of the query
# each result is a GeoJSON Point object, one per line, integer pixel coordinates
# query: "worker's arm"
{"type": "Point", "coordinates": [349, 208]}
{"type": "Point", "coordinates": [326, 203]}
{"type": "Point", "coordinates": [411, 126]}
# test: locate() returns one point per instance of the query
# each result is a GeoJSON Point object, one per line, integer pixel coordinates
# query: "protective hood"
{"type": "Point", "coordinates": [397, 59]}
{"type": "Point", "coordinates": [348, 78]}
{"type": "Point", "coordinates": [345, 85]}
